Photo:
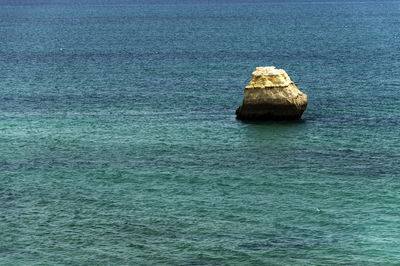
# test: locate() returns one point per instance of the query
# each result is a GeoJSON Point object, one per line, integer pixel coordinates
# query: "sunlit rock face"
{"type": "Point", "coordinates": [271, 95]}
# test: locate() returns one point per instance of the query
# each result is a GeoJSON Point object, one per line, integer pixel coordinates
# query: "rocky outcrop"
{"type": "Point", "coordinates": [271, 95]}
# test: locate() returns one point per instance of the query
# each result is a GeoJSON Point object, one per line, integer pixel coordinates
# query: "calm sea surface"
{"type": "Point", "coordinates": [119, 143]}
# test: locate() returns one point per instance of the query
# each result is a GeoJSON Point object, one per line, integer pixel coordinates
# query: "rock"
{"type": "Point", "coordinates": [271, 95]}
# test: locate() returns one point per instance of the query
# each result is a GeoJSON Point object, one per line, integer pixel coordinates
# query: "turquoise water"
{"type": "Point", "coordinates": [119, 143]}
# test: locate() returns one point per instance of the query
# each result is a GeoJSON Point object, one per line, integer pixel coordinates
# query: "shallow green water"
{"type": "Point", "coordinates": [119, 143]}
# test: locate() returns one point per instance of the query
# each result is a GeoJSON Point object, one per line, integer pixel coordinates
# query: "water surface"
{"type": "Point", "coordinates": [119, 143]}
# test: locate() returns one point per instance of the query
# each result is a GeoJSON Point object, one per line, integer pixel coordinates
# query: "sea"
{"type": "Point", "coordinates": [119, 143]}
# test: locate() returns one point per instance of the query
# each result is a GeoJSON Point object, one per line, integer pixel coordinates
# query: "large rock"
{"type": "Point", "coordinates": [271, 95]}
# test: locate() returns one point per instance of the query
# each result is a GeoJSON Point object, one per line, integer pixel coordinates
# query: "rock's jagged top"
{"type": "Point", "coordinates": [269, 76]}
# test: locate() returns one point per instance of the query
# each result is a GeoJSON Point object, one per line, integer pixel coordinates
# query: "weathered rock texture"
{"type": "Point", "coordinates": [271, 95]}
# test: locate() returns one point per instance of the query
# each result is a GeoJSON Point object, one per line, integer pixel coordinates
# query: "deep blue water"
{"type": "Point", "coordinates": [119, 143]}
